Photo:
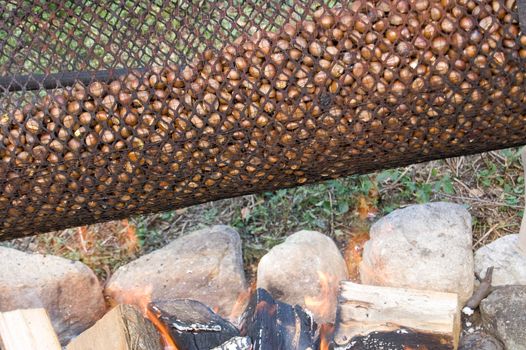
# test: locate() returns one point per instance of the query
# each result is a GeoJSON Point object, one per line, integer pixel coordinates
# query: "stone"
{"type": "Point", "coordinates": [304, 270]}
{"type": "Point", "coordinates": [504, 255]}
{"type": "Point", "coordinates": [68, 290]}
{"type": "Point", "coordinates": [479, 341]}
{"type": "Point", "coordinates": [205, 265]}
{"type": "Point", "coordinates": [425, 246]}
{"type": "Point", "coordinates": [504, 315]}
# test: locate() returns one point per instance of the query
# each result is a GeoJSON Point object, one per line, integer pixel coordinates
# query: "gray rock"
{"type": "Point", "coordinates": [480, 341]}
{"type": "Point", "coordinates": [68, 290]}
{"type": "Point", "coordinates": [205, 265]}
{"type": "Point", "coordinates": [424, 246]}
{"type": "Point", "coordinates": [305, 270]}
{"type": "Point", "coordinates": [503, 254]}
{"type": "Point", "coordinates": [504, 315]}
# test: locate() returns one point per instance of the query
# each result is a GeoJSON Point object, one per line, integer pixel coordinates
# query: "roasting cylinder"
{"type": "Point", "coordinates": [323, 92]}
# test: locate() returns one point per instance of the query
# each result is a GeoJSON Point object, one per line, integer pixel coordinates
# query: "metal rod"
{"type": "Point", "coordinates": [29, 82]}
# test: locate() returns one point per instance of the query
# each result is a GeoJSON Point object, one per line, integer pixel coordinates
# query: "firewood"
{"type": "Point", "coordinates": [372, 317]}
{"type": "Point", "coordinates": [193, 325]}
{"type": "Point", "coordinates": [236, 343]}
{"type": "Point", "coordinates": [28, 329]}
{"type": "Point", "coordinates": [274, 325]}
{"type": "Point", "coordinates": [123, 328]}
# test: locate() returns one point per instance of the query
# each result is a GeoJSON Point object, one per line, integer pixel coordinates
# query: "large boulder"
{"type": "Point", "coordinates": [503, 254]}
{"type": "Point", "coordinates": [504, 315]}
{"type": "Point", "coordinates": [206, 265]}
{"type": "Point", "coordinates": [305, 270]}
{"type": "Point", "coordinates": [68, 290]}
{"type": "Point", "coordinates": [425, 246]}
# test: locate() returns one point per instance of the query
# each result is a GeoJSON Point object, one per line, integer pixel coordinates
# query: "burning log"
{"type": "Point", "coordinates": [192, 325]}
{"type": "Point", "coordinates": [27, 329]}
{"type": "Point", "coordinates": [236, 343]}
{"type": "Point", "coordinates": [122, 328]}
{"type": "Point", "coordinates": [274, 325]}
{"type": "Point", "coordinates": [371, 317]}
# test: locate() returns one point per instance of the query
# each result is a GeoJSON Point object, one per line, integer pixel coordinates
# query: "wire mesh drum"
{"type": "Point", "coordinates": [114, 108]}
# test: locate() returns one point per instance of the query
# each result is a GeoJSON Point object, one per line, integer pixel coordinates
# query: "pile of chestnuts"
{"type": "Point", "coordinates": [350, 89]}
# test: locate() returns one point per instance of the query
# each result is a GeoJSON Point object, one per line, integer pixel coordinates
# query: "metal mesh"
{"type": "Point", "coordinates": [114, 108]}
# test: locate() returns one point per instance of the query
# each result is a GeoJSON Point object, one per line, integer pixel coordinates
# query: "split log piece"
{"type": "Point", "coordinates": [122, 328]}
{"type": "Point", "coordinates": [373, 317]}
{"type": "Point", "coordinates": [28, 329]}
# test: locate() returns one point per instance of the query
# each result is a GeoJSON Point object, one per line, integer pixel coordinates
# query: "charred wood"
{"type": "Point", "coordinates": [274, 325]}
{"type": "Point", "coordinates": [193, 325]}
{"type": "Point", "coordinates": [236, 343]}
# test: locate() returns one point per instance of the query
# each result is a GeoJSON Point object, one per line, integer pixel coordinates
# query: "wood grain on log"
{"type": "Point", "coordinates": [122, 328]}
{"type": "Point", "coordinates": [28, 329]}
{"type": "Point", "coordinates": [396, 318]}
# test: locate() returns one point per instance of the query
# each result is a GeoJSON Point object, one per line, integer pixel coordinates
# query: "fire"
{"type": "Point", "coordinates": [131, 240]}
{"type": "Point", "coordinates": [169, 343]}
{"type": "Point", "coordinates": [241, 303]}
{"type": "Point", "coordinates": [353, 254]}
{"type": "Point", "coordinates": [321, 304]}
{"type": "Point", "coordinates": [326, 333]}
{"type": "Point", "coordinates": [83, 233]}
{"type": "Point", "coordinates": [366, 208]}
{"type": "Point", "coordinates": [141, 299]}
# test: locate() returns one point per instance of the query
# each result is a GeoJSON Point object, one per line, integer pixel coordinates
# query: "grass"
{"type": "Point", "coordinates": [490, 185]}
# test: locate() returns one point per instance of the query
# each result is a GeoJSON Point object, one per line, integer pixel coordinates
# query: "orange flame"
{"type": "Point", "coordinates": [83, 238]}
{"type": "Point", "coordinates": [131, 240]}
{"type": "Point", "coordinates": [366, 208]}
{"type": "Point", "coordinates": [241, 303]}
{"type": "Point", "coordinates": [321, 304]}
{"type": "Point", "coordinates": [169, 343]}
{"type": "Point", "coordinates": [353, 254]}
{"type": "Point", "coordinates": [141, 299]}
{"type": "Point", "coordinates": [326, 332]}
